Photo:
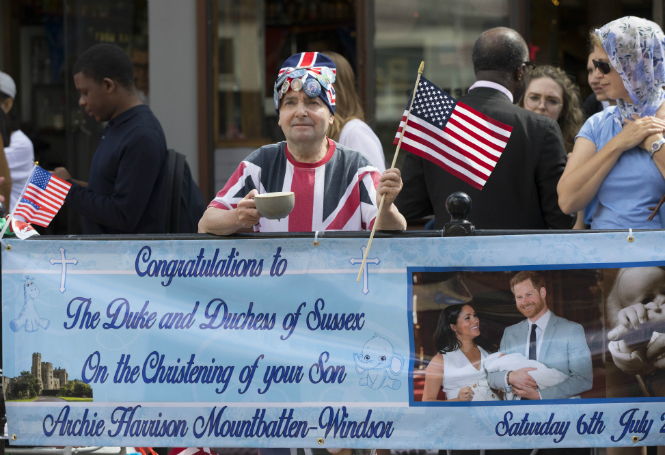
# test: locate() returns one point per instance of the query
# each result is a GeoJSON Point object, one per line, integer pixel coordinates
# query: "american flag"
{"type": "Point", "coordinates": [42, 197]}
{"type": "Point", "coordinates": [451, 135]}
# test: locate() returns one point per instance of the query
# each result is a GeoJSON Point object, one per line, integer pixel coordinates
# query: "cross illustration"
{"type": "Point", "coordinates": [374, 261]}
{"type": "Point", "coordinates": [64, 263]}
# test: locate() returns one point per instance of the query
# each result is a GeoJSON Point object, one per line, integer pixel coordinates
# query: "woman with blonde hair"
{"type": "Point", "coordinates": [553, 94]}
{"type": "Point", "coordinates": [349, 127]}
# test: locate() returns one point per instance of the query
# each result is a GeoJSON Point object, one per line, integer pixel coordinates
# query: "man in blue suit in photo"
{"type": "Point", "coordinates": [553, 341]}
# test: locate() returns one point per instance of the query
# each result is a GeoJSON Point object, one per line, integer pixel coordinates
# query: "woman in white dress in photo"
{"type": "Point", "coordinates": [458, 366]}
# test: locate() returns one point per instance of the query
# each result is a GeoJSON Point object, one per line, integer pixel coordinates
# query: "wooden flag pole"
{"type": "Point", "coordinates": [399, 144]}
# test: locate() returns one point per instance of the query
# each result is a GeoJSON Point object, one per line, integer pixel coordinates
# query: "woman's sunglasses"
{"type": "Point", "coordinates": [603, 67]}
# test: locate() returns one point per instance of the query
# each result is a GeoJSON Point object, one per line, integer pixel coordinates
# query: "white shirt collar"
{"type": "Point", "coordinates": [542, 321]}
{"type": "Point", "coordinates": [495, 86]}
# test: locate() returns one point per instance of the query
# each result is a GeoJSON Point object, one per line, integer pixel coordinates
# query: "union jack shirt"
{"type": "Point", "coordinates": [336, 193]}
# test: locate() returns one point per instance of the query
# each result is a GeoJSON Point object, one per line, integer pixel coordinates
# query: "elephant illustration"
{"type": "Point", "coordinates": [28, 317]}
{"type": "Point", "coordinates": [378, 360]}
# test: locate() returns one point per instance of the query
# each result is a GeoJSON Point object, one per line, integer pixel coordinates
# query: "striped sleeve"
{"type": "Point", "coordinates": [369, 181]}
{"type": "Point", "coordinates": [243, 180]}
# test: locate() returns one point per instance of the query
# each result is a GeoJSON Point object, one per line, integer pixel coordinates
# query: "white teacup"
{"type": "Point", "coordinates": [275, 206]}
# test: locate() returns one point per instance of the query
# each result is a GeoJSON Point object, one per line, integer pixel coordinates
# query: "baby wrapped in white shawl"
{"type": "Point", "coordinates": [544, 376]}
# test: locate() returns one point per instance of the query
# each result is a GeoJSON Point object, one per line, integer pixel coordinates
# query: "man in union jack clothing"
{"type": "Point", "coordinates": [335, 188]}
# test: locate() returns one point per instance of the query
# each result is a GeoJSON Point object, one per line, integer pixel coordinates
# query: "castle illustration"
{"type": "Point", "coordinates": [49, 378]}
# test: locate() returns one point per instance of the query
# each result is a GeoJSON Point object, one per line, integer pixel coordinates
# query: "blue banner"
{"type": "Point", "coordinates": [273, 343]}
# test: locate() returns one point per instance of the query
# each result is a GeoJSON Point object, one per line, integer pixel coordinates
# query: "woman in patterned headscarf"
{"type": "Point", "coordinates": [619, 154]}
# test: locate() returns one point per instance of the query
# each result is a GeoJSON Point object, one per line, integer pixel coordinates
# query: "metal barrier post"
{"type": "Point", "coordinates": [459, 206]}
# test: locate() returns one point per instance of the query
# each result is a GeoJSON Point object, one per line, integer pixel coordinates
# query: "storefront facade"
{"type": "Point", "coordinates": [206, 67]}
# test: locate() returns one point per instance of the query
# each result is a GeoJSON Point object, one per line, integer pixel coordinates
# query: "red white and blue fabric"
{"type": "Point", "coordinates": [312, 62]}
{"type": "Point", "coordinates": [42, 197]}
{"type": "Point", "coordinates": [21, 229]}
{"type": "Point", "coordinates": [336, 193]}
{"type": "Point", "coordinates": [192, 451]}
{"type": "Point", "coordinates": [461, 140]}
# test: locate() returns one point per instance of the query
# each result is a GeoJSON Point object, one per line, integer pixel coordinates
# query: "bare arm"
{"type": "Point", "coordinates": [219, 222]}
{"type": "Point", "coordinates": [433, 378]}
{"type": "Point", "coordinates": [225, 222]}
{"type": "Point", "coordinates": [584, 173]}
{"type": "Point", "coordinates": [579, 222]}
{"type": "Point", "coordinates": [613, 304]}
{"type": "Point", "coordinates": [586, 170]}
{"type": "Point", "coordinates": [659, 156]}
{"type": "Point", "coordinates": [391, 220]}
{"type": "Point", "coordinates": [390, 184]}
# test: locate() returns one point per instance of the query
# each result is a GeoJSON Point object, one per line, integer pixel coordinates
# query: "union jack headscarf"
{"type": "Point", "coordinates": [315, 64]}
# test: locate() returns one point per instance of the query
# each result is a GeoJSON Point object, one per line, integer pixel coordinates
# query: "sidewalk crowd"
{"type": "Point", "coordinates": [569, 163]}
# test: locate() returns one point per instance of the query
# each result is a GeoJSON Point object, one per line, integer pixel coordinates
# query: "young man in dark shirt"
{"type": "Point", "coordinates": [126, 193]}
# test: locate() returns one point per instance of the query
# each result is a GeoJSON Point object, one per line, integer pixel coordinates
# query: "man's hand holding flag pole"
{"type": "Point", "coordinates": [383, 197]}
{"type": "Point", "coordinates": [450, 134]}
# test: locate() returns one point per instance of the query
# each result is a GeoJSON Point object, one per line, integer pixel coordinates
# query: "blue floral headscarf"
{"type": "Point", "coordinates": [636, 48]}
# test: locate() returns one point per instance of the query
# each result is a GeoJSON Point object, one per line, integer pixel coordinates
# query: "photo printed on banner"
{"type": "Point", "coordinates": [581, 333]}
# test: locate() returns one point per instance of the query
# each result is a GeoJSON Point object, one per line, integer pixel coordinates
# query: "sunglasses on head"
{"type": "Point", "coordinates": [603, 67]}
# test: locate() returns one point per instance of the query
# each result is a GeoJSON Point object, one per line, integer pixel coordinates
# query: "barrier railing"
{"type": "Point", "coordinates": [266, 340]}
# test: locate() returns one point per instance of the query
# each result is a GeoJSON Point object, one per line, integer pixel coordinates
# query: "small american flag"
{"type": "Point", "coordinates": [451, 135]}
{"type": "Point", "coordinates": [42, 197]}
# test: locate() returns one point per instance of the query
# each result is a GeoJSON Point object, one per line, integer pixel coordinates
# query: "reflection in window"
{"type": "Point", "coordinates": [239, 66]}
{"type": "Point", "coordinates": [440, 33]}
{"type": "Point", "coordinates": [254, 37]}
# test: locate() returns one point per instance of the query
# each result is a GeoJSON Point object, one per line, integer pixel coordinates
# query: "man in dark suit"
{"type": "Point", "coordinates": [521, 192]}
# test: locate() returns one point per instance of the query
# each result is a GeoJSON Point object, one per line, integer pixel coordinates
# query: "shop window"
{"type": "Point", "coordinates": [45, 39]}
{"type": "Point", "coordinates": [253, 39]}
{"type": "Point", "coordinates": [440, 33]}
{"type": "Point", "coordinates": [239, 67]}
